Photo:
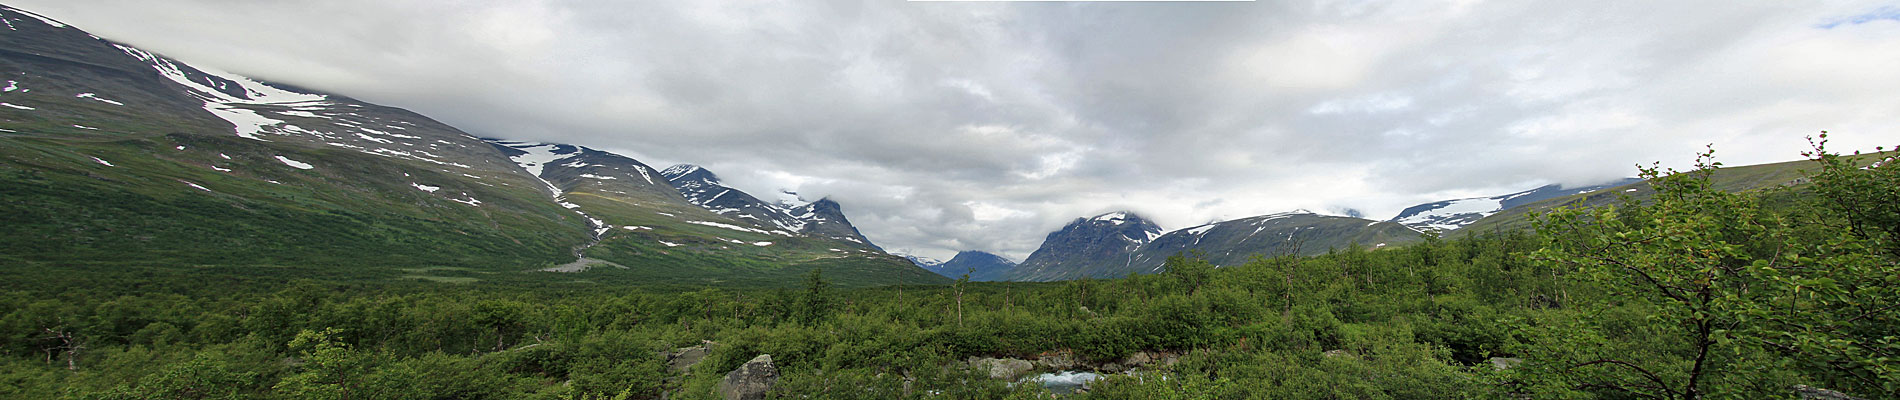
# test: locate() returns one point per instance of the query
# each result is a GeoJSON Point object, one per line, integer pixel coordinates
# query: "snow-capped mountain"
{"type": "Point", "coordinates": [789, 213]}
{"type": "Point", "coordinates": [1094, 248]}
{"type": "Point", "coordinates": [1448, 215]}
{"type": "Point", "coordinates": [248, 172]}
{"type": "Point", "coordinates": [1087, 246]}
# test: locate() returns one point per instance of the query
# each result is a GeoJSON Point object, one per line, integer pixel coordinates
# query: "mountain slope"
{"type": "Point", "coordinates": [1100, 248]}
{"type": "Point", "coordinates": [1095, 247]}
{"type": "Point", "coordinates": [1300, 233]}
{"type": "Point", "coordinates": [111, 155]}
{"type": "Point", "coordinates": [1448, 215]}
{"type": "Point", "coordinates": [981, 266]}
{"type": "Point", "coordinates": [1732, 179]}
{"type": "Point", "coordinates": [822, 218]}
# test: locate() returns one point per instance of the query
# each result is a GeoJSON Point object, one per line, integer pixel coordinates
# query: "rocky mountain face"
{"type": "Point", "coordinates": [981, 266]}
{"type": "Point", "coordinates": [1449, 215]}
{"type": "Point", "coordinates": [1078, 250]}
{"type": "Point", "coordinates": [823, 218]}
{"type": "Point", "coordinates": [1093, 247]}
{"type": "Point", "coordinates": [1298, 233]}
{"type": "Point", "coordinates": [113, 155]}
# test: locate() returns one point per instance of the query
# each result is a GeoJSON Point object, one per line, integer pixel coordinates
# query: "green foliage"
{"type": "Point", "coordinates": [1706, 288]}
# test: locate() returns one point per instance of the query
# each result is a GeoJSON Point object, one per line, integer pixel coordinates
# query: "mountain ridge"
{"type": "Point", "coordinates": [86, 117]}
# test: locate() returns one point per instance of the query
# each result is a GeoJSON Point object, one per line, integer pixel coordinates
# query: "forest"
{"type": "Point", "coordinates": [1693, 293]}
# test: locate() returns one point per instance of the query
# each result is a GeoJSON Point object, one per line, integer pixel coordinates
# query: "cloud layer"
{"type": "Point", "coordinates": [953, 126]}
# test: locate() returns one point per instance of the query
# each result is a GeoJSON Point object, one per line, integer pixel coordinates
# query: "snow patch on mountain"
{"type": "Point", "coordinates": [294, 163]}
{"type": "Point", "coordinates": [96, 97]}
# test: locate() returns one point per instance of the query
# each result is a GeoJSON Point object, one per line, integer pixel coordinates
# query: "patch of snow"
{"type": "Point", "coordinates": [670, 244]}
{"type": "Point", "coordinates": [85, 127]}
{"type": "Point", "coordinates": [294, 163]}
{"type": "Point", "coordinates": [636, 227]}
{"type": "Point", "coordinates": [195, 186]}
{"type": "Point", "coordinates": [425, 188]}
{"type": "Point", "coordinates": [471, 201]}
{"type": "Point", "coordinates": [96, 97]}
{"type": "Point", "coordinates": [102, 162]}
{"type": "Point", "coordinates": [761, 244]}
{"type": "Point", "coordinates": [48, 21]}
{"type": "Point", "coordinates": [1444, 218]}
{"type": "Point", "coordinates": [16, 106]}
{"type": "Point", "coordinates": [728, 226]}
{"type": "Point", "coordinates": [181, 147]}
{"type": "Point", "coordinates": [1116, 218]}
{"type": "Point", "coordinates": [597, 176]}
{"type": "Point", "coordinates": [1199, 229]}
{"type": "Point", "coordinates": [1629, 190]}
{"type": "Point", "coordinates": [11, 86]}
{"type": "Point", "coordinates": [246, 123]}
{"type": "Point", "coordinates": [225, 156]}
{"type": "Point", "coordinates": [220, 169]}
{"type": "Point", "coordinates": [373, 138]}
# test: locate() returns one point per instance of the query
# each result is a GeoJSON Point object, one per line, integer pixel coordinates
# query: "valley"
{"type": "Point", "coordinates": [173, 231]}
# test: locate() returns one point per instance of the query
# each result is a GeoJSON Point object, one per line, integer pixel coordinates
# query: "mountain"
{"type": "Point", "coordinates": [1087, 247]}
{"type": "Point", "coordinates": [119, 160]}
{"type": "Point", "coordinates": [1117, 244]}
{"type": "Point", "coordinates": [981, 266]}
{"type": "Point", "coordinates": [1448, 215]}
{"type": "Point", "coordinates": [822, 218]}
{"type": "Point", "coordinates": [1790, 174]}
{"type": "Point", "coordinates": [1301, 233]}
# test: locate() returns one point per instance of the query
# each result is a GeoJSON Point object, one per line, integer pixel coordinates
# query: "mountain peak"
{"type": "Point", "coordinates": [689, 172]}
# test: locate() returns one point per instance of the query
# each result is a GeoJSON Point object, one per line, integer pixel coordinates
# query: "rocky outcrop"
{"type": "Point", "coordinates": [681, 359]}
{"type": "Point", "coordinates": [751, 380]}
{"type": "Point", "coordinates": [1806, 392]}
{"type": "Point", "coordinates": [1001, 368]}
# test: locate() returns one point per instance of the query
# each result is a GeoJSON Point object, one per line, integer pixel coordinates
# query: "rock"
{"type": "Point", "coordinates": [1338, 353]}
{"type": "Point", "coordinates": [751, 380]}
{"type": "Point", "coordinates": [1504, 363]}
{"type": "Point", "coordinates": [681, 359]}
{"type": "Point", "coordinates": [1806, 392]}
{"type": "Point", "coordinates": [1059, 360]}
{"type": "Point", "coordinates": [1001, 368]}
{"type": "Point", "coordinates": [1140, 358]}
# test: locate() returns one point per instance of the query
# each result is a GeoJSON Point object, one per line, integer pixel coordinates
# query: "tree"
{"type": "Point", "coordinates": [1190, 272]}
{"type": "Point", "coordinates": [962, 283]}
{"type": "Point", "coordinates": [814, 302]}
{"type": "Point", "coordinates": [1731, 288]}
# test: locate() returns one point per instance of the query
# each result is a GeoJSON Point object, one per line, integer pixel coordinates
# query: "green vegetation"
{"type": "Point", "coordinates": [1692, 292]}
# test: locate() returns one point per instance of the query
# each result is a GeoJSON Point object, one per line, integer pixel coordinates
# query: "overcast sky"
{"type": "Point", "coordinates": [952, 126]}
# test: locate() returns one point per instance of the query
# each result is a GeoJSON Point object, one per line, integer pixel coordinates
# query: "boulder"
{"type": "Point", "coordinates": [1806, 392]}
{"type": "Point", "coordinates": [1059, 360]}
{"type": "Point", "coordinates": [751, 380]}
{"type": "Point", "coordinates": [681, 359]}
{"type": "Point", "coordinates": [1504, 363]}
{"type": "Point", "coordinates": [1001, 368]}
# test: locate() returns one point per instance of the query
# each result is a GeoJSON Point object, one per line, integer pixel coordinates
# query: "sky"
{"type": "Point", "coordinates": [947, 126]}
